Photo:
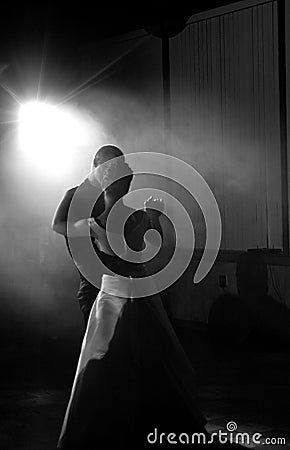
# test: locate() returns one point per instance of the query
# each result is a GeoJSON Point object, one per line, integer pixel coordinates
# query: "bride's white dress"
{"type": "Point", "coordinates": [133, 375]}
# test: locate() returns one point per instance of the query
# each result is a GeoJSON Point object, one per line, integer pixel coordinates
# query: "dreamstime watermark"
{"type": "Point", "coordinates": [178, 171]}
{"type": "Point", "coordinates": [222, 437]}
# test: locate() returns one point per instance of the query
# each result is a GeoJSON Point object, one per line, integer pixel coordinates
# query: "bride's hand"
{"type": "Point", "coordinates": [154, 205]}
{"type": "Point", "coordinates": [103, 175]}
{"type": "Point", "coordinates": [113, 171]}
{"type": "Point", "coordinates": [109, 173]}
{"type": "Point", "coordinates": [94, 177]}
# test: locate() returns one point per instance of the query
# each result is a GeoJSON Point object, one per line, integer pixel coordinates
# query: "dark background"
{"type": "Point", "coordinates": [48, 41]}
{"type": "Point", "coordinates": [40, 322]}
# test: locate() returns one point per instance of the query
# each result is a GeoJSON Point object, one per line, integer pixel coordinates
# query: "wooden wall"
{"type": "Point", "coordinates": [225, 122]}
{"type": "Point", "coordinates": [225, 117]}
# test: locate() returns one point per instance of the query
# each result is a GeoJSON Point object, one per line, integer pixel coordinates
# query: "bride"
{"type": "Point", "coordinates": [133, 376]}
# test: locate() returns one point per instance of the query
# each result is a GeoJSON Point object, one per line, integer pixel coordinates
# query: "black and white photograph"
{"type": "Point", "coordinates": [144, 225]}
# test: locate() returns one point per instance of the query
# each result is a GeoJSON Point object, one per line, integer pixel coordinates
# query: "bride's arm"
{"type": "Point", "coordinates": [59, 221]}
{"type": "Point", "coordinates": [153, 208]}
{"type": "Point", "coordinates": [60, 224]}
{"type": "Point", "coordinates": [80, 228]}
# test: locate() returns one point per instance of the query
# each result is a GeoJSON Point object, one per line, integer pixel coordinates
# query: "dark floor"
{"type": "Point", "coordinates": [249, 385]}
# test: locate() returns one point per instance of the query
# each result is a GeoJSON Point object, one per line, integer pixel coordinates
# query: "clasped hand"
{"type": "Point", "coordinates": [154, 205]}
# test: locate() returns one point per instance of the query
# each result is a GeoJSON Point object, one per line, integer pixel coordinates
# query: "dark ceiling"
{"type": "Point", "coordinates": [42, 40]}
{"type": "Point", "coordinates": [82, 22]}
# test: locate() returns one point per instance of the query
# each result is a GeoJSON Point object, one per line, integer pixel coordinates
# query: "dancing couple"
{"type": "Point", "coordinates": [133, 376]}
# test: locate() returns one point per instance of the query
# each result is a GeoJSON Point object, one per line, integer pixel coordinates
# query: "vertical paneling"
{"type": "Point", "coordinates": [225, 119]}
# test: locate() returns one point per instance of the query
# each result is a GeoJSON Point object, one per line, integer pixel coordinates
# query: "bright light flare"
{"type": "Point", "coordinates": [49, 136]}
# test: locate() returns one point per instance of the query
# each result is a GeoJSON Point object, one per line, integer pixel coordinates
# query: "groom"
{"type": "Point", "coordinates": [91, 193]}
{"type": "Point", "coordinates": [87, 292]}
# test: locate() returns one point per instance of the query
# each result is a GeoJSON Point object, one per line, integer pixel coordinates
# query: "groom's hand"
{"type": "Point", "coordinates": [94, 227]}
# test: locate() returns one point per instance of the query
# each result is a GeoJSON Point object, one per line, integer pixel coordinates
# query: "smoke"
{"type": "Point", "coordinates": [231, 160]}
{"type": "Point", "coordinates": [37, 277]}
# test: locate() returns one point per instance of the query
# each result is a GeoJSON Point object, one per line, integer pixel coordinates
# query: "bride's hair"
{"type": "Point", "coordinates": [121, 186]}
{"type": "Point", "coordinates": [124, 176]}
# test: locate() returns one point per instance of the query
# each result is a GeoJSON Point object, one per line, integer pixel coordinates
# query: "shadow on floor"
{"type": "Point", "coordinates": [249, 385]}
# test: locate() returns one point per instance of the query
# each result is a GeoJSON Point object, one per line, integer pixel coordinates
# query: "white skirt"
{"type": "Point", "coordinates": [103, 318]}
{"type": "Point", "coordinates": [106, 310]}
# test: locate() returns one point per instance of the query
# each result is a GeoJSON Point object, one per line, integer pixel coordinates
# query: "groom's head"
{"type": "Point", "coordinates": [105, 153]}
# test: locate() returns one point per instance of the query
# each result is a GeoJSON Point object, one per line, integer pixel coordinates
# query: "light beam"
{"type": "Point", "coordinates": [49, 136]}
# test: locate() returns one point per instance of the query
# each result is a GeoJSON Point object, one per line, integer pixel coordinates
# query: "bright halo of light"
{"type": "Point", "coordinates": [49, 136]}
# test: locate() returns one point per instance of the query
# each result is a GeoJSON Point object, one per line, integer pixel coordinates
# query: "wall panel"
{"type": "Point", "coordinates": [225, 118]}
